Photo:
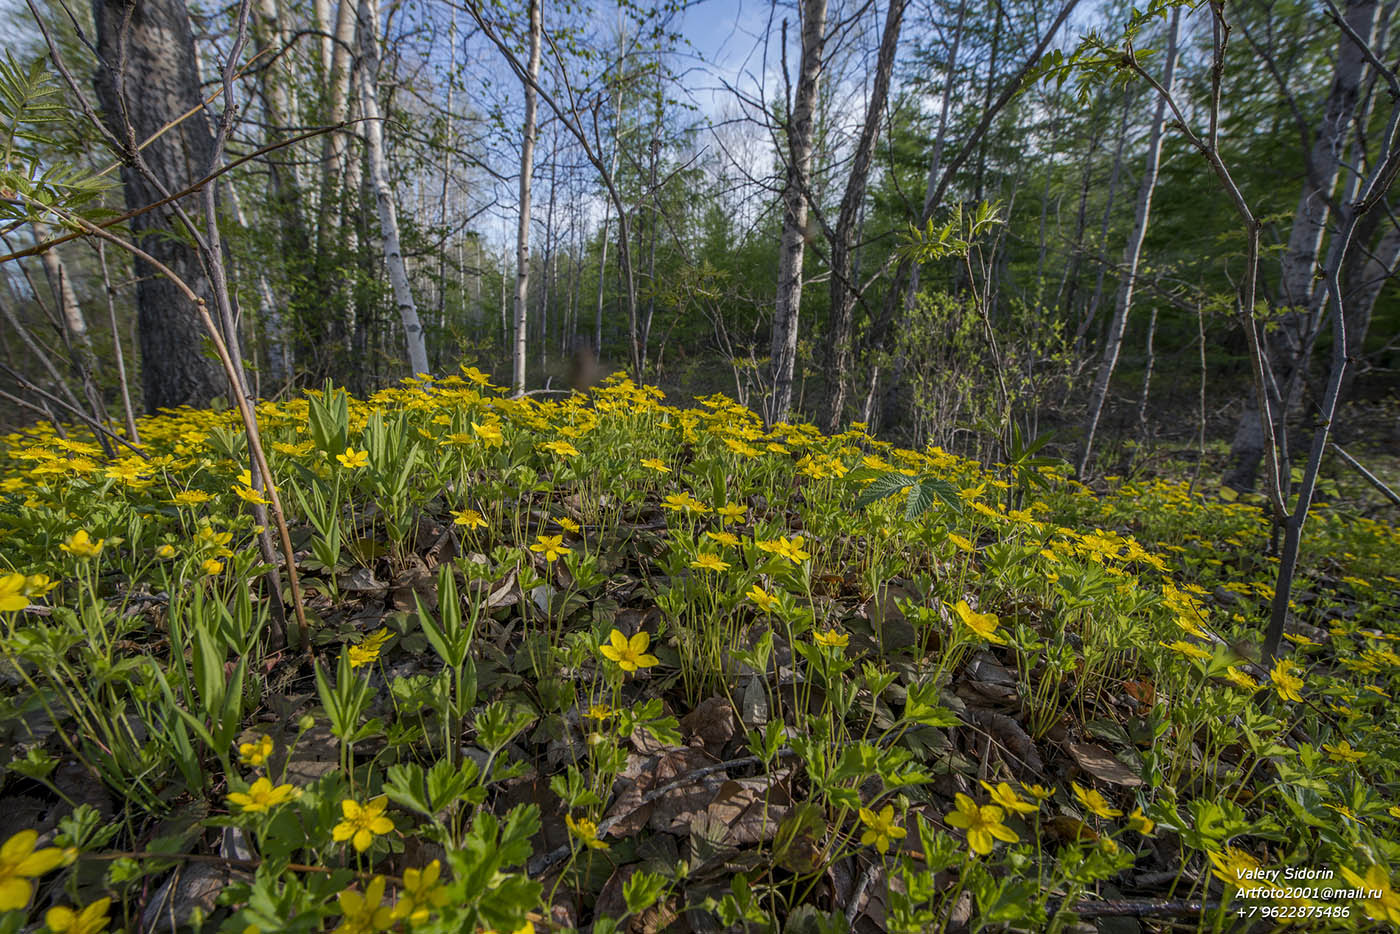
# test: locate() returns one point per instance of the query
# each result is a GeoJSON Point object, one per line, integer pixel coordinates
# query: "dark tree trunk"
{"type": "Point", "coordinates": [843, 286]}
{"type": "Point", "coordinates": [148, 79]}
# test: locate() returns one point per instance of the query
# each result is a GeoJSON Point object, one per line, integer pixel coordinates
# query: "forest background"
{"type": "Point", "coordinates": [957, 222]}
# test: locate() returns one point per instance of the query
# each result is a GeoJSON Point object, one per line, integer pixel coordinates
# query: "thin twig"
{"type": "Point", "coordinates": [1370, 477]}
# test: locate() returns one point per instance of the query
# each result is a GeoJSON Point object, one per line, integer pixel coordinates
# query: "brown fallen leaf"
{"type": "Point", "coordinates": [672, 812]}
{"type": "Point", "coordinates": [189, 887]}
{"type": "Point", "coordinates": [711, 724]}
{"type": "Point", "coordinates": [1141, 691]}
{"type": "Point", "coordinates": [1070, 830]}
{"type": "Point", "coordinates": [1019, 749]}
{"type": "Point", "coordinates": [612, 904]}
{"type": "Point", "coordinates": [751, 808]}
{"type": "Point", "coordinates": [1100, 763]}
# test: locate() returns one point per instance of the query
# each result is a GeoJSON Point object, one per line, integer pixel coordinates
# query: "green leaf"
{"type": "Point", "coordinates": [885, 485]}
{"type": "Point", "coordinates": [642, 890]}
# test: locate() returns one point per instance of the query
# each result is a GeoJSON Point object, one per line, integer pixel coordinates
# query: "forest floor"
{"type": "Point", "coordinates": [604, 663]}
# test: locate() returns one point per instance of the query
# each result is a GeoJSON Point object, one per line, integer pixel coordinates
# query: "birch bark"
{"type": "Point", "coordinates": [522, 235]}
{"type": "Point", "coordinates": [794, 233]}
{"type": "Point", "coordinates": [1132, 254]}
{"type": "Point", "coordinates": [417, 348]}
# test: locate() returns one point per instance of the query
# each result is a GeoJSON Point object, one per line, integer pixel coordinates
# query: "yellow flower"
{"type": "Point", "coordinates": [684, 502]}
{"type": "Point", "coordinates": [1186, 648]}
{"type": "Point", "coordinates": [190, 498]}
{"type": "Point", "coordinates": [90, 920]}
{"type": "Point", "coordinates": [568, 525]}
{"type": "Point", "coordinates": [1285, 682]}
{"type": "Point", "coordinates": [353, 459]}
{"type": "Point", "coordinates": [831, 638]}
{"type": "Point", "coordinates": [961, 542]}
{"type": "Point", "coordinates": [256, 753]}
{"type": "Point", "coordinates": [367, 652]}
{"type": "Point", "coordinates": [793, 550]}
{"type": "Point", "coordinates": [983, 624]}
{"type": "Point", "coordinates": [476, 376]}
{"type": "Point", "coordinates": [706, 561]}
{"type": "Point", "coordinates": [731, 512]}
{"type": "Point", "coordinates": [212, 567]}
{"type": "Point", "coordinates": [1342, 752]}
{"type": "Point", "coordinates": [12, 596]}
{"type": "Point", "coordinates": [724, 538]}
{"type": "Point", "coordinates": [586, 831]}
{"type": "Point", "coordinates": [362, 823]}
{"type": "Point", "coordinates": [19, 862]}
{"type": "Point", "coordinates": [1140, 822]}
{"type": "Point", "coordinates": [1006, 797]}
{"type": "Point", "coordinates": [1345, 811]}
{"type": "Point", "coordinates": [165, 552]}
{"type": "Point", "coordinates": [82, 546]}
{"type": "Point", "coordinates": [468, 517]}
{"type": "Point", "coordinates": [656, 464]}
{"type": "Point", "coordinates": [880, 829]}
{"type": "Point", "coordinates": [630, 654]}
{"type": "Point", "coordinates": [561, 448]}
{"type": "Point", "coordinates": [1382, 903]}
{"type": "Point", "coordinates": [1094, 801]}
{"type": "Point", "coordinates": [980, 823]}
{"type": "Point", "coordinates": [490, 433]}
{"type": "Point", "coordinates": [421, 893]}
{"type": "Point", "coordinates": [250, 495]}
{"type": "Point", "coordinates": [1038, 792]}
{"type": "Point", "coordinates": [37, 585]}
{"type": "Point", "coordinates": [1232, 865]}
{"type": "Point", "coordinates": [766, 601]}
{"type": "Point", "coordinates": [1240, 679]}
{"type": "Point", "coordinates": [262, 796]}
{"type": "Point", "coordinates": [551, 546]}
{"type": "Point", "coordinates": [364, 914]}
{"type": "Point", "coordinates": [600, 712]}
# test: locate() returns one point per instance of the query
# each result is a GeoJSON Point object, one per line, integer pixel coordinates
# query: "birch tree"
{"type": "Point", "coordinates": [1132, 252]}
{"type": "Point", "coordinates": [417, 348]}
{"type": "Point", "coordinates": [522, 230]}
{"type": "Point", "coordinates": [794, 232]}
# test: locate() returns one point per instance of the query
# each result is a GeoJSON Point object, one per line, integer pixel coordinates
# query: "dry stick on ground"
{"type": "Point", "coordinates": [244, 409]}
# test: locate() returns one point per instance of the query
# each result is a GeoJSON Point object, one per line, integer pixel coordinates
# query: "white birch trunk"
{"type": "Point", "coordinates": [1132, 253]}
{"type": "Point", "coordinates": [383, 193]}
{"type": "Point", "coordinates": [794, 234]}
{"type": "Point", "coordinates": [522, 234]}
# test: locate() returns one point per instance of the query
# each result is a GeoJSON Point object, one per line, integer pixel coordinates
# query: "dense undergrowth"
{"type": "Point", "coordinates": [604, 662]}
